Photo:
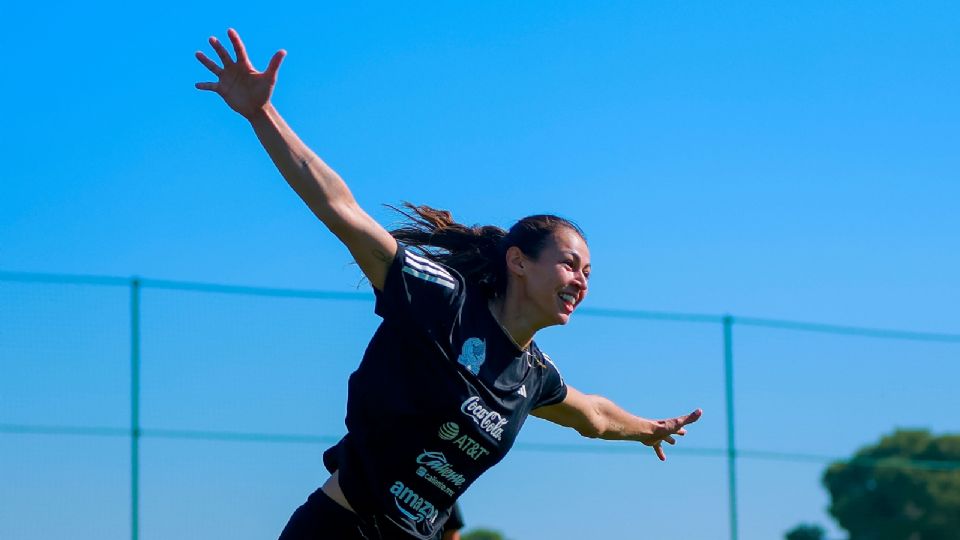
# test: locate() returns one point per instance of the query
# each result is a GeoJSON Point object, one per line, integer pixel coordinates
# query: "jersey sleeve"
{"type": "Point", "coordinates": [331, 457]}
{"type": "Point", "coordinates": [420, 291]}
{"type": "Point", "coordinates": [554, 389]}
{"type": "Point", "coordinates": [455, 521]}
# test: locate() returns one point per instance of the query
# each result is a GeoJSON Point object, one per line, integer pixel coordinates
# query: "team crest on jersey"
{"type": "Point", "coordinates": [473, 354]}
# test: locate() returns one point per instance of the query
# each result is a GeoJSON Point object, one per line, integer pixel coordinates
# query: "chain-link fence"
{"type": "Point", "coordinates": [154, 409]}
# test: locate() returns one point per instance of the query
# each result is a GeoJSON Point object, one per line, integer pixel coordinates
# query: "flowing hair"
{"type": "Point", "coordinates": [477, 252]}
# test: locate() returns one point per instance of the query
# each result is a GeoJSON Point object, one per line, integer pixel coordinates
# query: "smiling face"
{"type": "Point", "coordinates": [555, 281]}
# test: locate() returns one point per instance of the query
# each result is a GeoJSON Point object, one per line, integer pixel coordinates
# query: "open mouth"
{"type": "Point", "coordinates": [569, 300]}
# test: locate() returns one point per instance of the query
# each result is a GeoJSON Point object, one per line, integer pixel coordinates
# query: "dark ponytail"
{"type": "Point", "coordinates": [477, 252]}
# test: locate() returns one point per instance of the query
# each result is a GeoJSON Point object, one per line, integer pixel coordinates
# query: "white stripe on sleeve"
{"type": "Point", "coordinates": [547, 358]}
{"type": "Point", "coordinates": [425, 264]}
{"type": "Point", "coordinates": [430, 277]}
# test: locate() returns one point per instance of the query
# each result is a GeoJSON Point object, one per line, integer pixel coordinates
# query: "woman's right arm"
{"type": "Point", "coordinates": [326, 194]}
{"type": "Point", "coordinates": [248, 92]}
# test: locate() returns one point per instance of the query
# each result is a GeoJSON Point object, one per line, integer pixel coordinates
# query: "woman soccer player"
{"type": "Point", "coordinates": [453, 371]}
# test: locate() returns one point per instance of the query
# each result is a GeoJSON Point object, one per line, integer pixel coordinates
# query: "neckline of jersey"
{"type": "Point", "coordinates": [522, 355]}
{"type": "Point", "coordinates": [506, 333]}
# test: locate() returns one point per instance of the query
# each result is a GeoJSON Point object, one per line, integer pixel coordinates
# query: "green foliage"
{"type": "Point", "coordinates": [899, 489]}
{"type": "Point", "coordinates": [806, 532]}
{"type": "Point", "coordinates": [483, 534]}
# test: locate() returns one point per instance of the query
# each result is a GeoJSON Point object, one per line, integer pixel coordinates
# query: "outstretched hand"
{"type": "Point", "coordinates": [665, 430]}
{"type": "Point", "coordinates": [245, 89]}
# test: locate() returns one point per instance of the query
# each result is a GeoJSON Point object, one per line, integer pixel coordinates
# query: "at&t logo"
{"type": "Point", "coordinates": [451, 432]}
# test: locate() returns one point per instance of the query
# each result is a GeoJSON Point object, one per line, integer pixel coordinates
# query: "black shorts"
{"type": "Point", "coordinates": [320, 518]}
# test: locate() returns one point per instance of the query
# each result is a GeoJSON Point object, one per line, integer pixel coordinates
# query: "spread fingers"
{"type": "Point", "coordinates": [238, 46]}
{"type": "Point", "coordinates": [221, 52]}
{"type": "Point", "coordinates": [209, 64]}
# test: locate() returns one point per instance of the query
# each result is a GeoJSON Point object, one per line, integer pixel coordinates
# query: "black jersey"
{"type": "Point", "coordinates": [455, 520]}
{"type": "Point", "coordinates": [438, 398]}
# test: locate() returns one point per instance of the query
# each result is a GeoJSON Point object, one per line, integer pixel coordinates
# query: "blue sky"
{"type": "Point", "coordinates": [770, 159]}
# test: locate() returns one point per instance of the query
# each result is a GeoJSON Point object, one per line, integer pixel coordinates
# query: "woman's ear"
{"type": "Point", "coordinates": [515, 261]}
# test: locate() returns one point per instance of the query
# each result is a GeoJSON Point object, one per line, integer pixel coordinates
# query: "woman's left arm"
{"type": "Point", "coordinates": [599, 418]}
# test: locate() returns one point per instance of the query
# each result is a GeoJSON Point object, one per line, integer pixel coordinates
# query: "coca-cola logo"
{"type": "Point", "coordinates": [489, 420]}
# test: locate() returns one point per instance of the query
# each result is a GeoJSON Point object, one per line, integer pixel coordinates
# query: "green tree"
{"type": "Point", "coordinates": [906, 487]}
{"type": "Point", "coordinates": [806, 532]}
{"type": "Point", "coordinates": [483, 534]}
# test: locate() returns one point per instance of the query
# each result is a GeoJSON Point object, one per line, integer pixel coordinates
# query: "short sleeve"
{"type": "Point", "coordinates": [331, 457]}
{"type": "Point", "coordinates": [554, 389]}
{"type": "Point", "coordinates": [421, 291]}
{"type": "Point", "coordinates": [455, 521]}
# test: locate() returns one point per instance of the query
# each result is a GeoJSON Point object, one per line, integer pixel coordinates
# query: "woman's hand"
{"type": "Point", "coordinates": [664, 431]}
{"type": "Point", "coordinates": [245, 89]}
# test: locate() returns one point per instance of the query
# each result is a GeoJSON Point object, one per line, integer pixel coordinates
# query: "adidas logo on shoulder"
{"type": "Point", "coordinates": [428, 270]}
{"type": "Point", "coordinates": [523, 390]}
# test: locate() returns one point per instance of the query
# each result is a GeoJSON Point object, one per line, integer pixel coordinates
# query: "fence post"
{"type": "Point", "coordinates": [134, 408]}
{"type": "Point", "coordinates": [731, 444]}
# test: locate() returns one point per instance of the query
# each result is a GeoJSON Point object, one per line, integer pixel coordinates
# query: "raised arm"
{"type": "Point", "coordinates": [599, 418]}
{"type": "Point", "coordinates": [247, 91]}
